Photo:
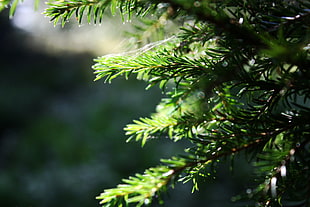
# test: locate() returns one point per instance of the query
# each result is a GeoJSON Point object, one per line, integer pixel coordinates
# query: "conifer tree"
{"type": "Point", "coordinates": [235, 78]}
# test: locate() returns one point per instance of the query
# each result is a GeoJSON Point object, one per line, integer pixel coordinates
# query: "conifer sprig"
{"type": "Point", "coordinates": [139, 189]}
{"type": "Point", "coordinates": [146, 66]}
{"type": "Point", "coordinates": [94, 9]}
{"type": "Point", "coordinates": [142, 189]}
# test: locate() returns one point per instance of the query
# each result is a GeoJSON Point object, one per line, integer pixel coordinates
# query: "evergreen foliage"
{"type": "Point", "coordinates": [236, 79]}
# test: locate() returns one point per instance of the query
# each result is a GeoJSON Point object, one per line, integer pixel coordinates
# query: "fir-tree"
{"type": "Point", "coordinates": [235, 79]}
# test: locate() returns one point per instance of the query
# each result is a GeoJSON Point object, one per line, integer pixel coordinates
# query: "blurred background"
{"type": "Point", "coordinates": [61, 134]}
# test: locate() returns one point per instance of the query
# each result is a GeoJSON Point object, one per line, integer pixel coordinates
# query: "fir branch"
{"type": "Point", "coordinates": [175, 119]}
{"type": "Point", "coordinates": [142, 188]}
{"type": "Point", "coordinates": [157, 64]}
{"type": "Point", "coordinates": [63, 10]}
{"type": "Point", "coordinates": [209, 12]}
{"type": "Point", "coordinates": [147, 128]}
{"type": "Point", "coordinates": [139, 189]}
{"type": "Point", "coordinates": [94, 9]}
{"type": "Point", "coordinates": [257, 38]}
